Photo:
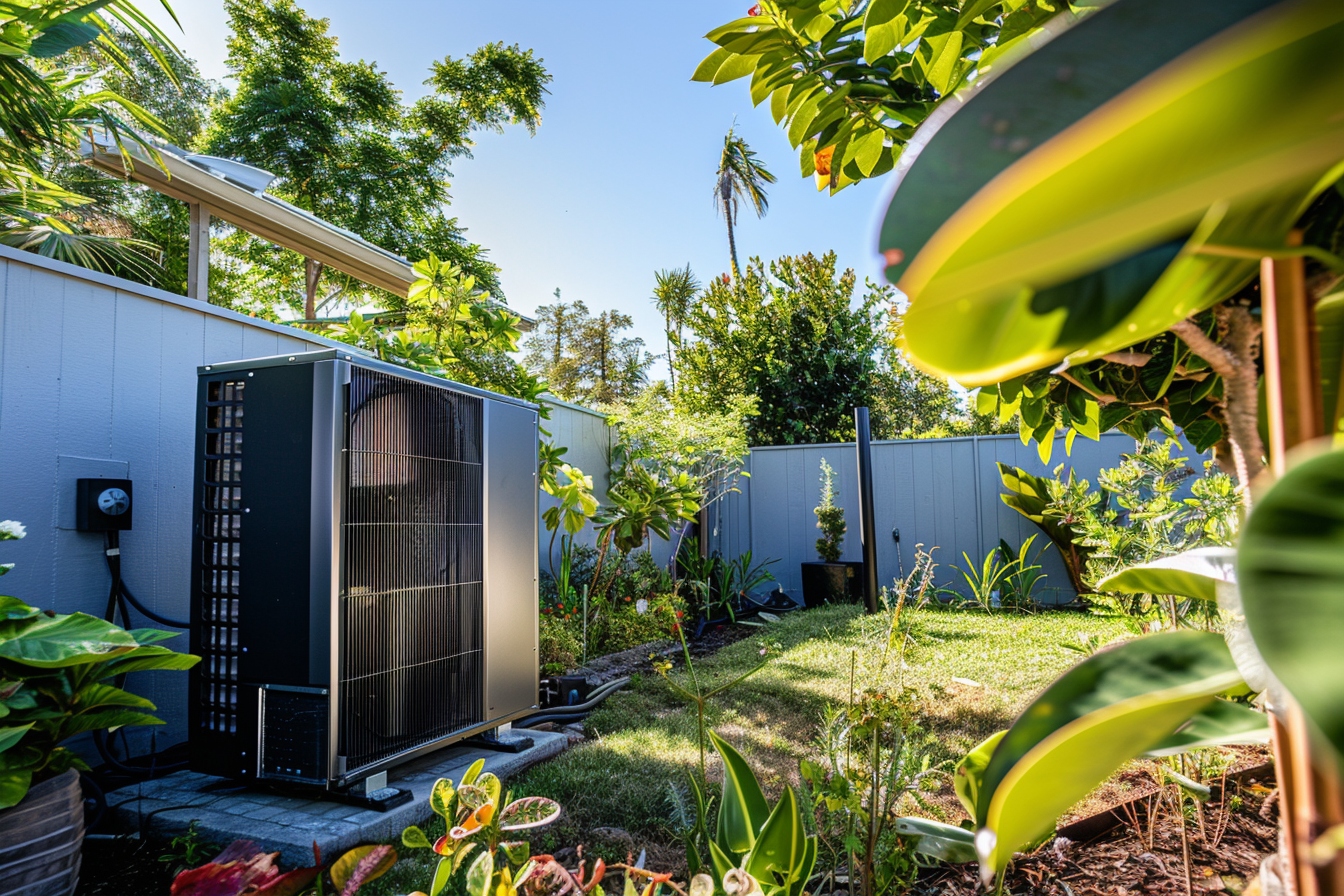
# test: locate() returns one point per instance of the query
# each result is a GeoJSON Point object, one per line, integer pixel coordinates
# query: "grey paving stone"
{"type": "Point", "coordinates": [289, 824]}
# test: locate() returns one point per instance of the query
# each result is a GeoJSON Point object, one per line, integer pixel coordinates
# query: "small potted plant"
{"type": "Point", "coordinates": [831, 580]}
{"type": "Point", "coordinates": [56, 681]}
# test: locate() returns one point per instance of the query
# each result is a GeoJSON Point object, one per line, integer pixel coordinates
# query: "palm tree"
{"type": "Point", "coordinates": [740, 177]}
{"type": "Point", "coordinates": [44, 111]}
{"type": "Point", "coordinates": [672, 293]}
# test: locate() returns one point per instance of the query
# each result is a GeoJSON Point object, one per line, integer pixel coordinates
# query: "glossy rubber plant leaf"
{"type": "Point", "coordinates": [1221, 723]}
{"type": "Point", "coordinates": [1290, 566]}
{"type": "Point", "coordinates": [1197, 573]}
{"type": "Point", "coordinates": [1094, 240]}
{"type": "Point", "coordinates": [937, 840]}
{"type": "Point", "coordinates": [743, 809]}
{"type": "Point", "coordinates": [1111, 707]}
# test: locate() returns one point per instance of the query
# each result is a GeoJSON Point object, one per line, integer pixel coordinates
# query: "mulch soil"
{"type": "Point", "coordinates": [1143, 852]}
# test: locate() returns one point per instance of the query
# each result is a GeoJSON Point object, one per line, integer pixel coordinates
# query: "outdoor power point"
{"type": "Point", "coordinates": [896, 535]}
{"type": "Point", "coordinates": [103, 505]}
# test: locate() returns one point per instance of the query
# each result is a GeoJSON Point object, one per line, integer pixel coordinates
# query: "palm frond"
{"type": "Point", "coordinates": [55, 238]}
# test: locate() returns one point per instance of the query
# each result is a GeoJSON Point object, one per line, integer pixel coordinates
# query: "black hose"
{"type": "Point", "coordinates": [576, 712]}
{"type": "Point", "coordinates": [533, 721]}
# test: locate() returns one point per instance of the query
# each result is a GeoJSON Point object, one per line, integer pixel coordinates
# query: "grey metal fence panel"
{"type": "Point", "coordinates": [943, 494]}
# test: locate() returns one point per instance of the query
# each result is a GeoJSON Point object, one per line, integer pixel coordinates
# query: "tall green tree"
{"type": "Point", "coordinates": [551, 348]}
{"type": "Point", "coordinates": [585, 357]}
{"type": "Point", "coordinates": [740, 178]}
{"type": "Point", "coordinates": [612, 367]}
{"type": "Point", "coordinates": [791, 336]}
{"type": "Point", "coordinates": [346, 148]}
{"type": "Point", "coordinates": [673, 292]}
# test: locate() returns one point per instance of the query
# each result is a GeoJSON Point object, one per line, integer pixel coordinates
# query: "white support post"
{"type": "Point", "coordinates": [198, 253]}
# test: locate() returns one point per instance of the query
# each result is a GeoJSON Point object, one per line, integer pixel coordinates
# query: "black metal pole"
{"type": "Point", "coordinates": [867, 535]}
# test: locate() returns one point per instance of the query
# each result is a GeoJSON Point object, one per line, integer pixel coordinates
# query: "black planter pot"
{"type": "Point", "coordinates": [835, 583]}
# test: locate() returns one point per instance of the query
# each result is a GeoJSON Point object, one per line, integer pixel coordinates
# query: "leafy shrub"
{"type": "Point", "coordinates": [633, 603]}
{"type": "Point", "coordinates": [830, 519]}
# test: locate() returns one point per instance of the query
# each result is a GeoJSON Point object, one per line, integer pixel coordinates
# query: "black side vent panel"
{"type": "Point", "coordinates": [220, 534]}
{"type": "Point", "coordinates": [411, 593]}
{"type": "Point", "coordinates": [294, 735]}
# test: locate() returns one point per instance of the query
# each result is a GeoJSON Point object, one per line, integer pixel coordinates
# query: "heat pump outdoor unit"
{"type": "Point", "coordinates": [364, 582]}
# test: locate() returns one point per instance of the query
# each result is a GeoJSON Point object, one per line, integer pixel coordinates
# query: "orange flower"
{"type": "Point", "coordinates": [823, 160]}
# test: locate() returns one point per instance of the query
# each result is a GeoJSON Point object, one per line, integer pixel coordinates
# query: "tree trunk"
{"type": "Point", "coordinates": [732, 243]}
{"type": "Point", "coordinates": [312, 273]}
{"type": "Point", "coordinates": [1232, 357]}
{"type": "Point", "coordinates": [671, 373]}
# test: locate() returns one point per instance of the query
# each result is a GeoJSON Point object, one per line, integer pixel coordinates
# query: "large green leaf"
{"type": "Point", "coordinates": [13, 787]}
{"type": "Point", "coordinates": [1197, 573]}
{"type": "Point", "coordinates": [1290, 566]}
{"type": "Point", "coordinates": [1330, 327]}
{"type": "Point", "coordinates": [743, 809]}
{"type": "Point", "coordinates": [938, 840]}
{"type": "Point", "coordinates": [12, 735]}
{"type": "Point", "coordinates": [60, 641]}
{"type": "Point", "coordinates": [780, 850]}
{"type": "Point", "coordinates": [1110, 708]}
{"type": "Point", "coordinates": [1220, 723]}
{"type": "Point", "coordinates": [969, 778]}
{"type": "Point", "coordinates": [1096, 239]}
{"type": "Point", "coordinates": [145, 659]}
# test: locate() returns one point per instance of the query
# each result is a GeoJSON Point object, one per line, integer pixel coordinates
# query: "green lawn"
{"type": "Point", "coordinates": [644, 738]}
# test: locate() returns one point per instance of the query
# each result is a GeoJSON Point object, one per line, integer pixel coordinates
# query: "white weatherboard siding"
{"type": "Point", "coordinates": [98, 378]}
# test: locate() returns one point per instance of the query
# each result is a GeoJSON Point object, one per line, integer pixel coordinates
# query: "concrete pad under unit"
{"type": "Point", "coordinates": [289, 823]}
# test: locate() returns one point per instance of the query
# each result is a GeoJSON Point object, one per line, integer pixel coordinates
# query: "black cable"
{"type": "Point", "coordinates": [145, 611]}
{"type": "Point", "coordinates": [99, 798]}
{"type": "Point", "coordinates": [117, 598]}
{"type": "Point", "coordinates": [121, 595]}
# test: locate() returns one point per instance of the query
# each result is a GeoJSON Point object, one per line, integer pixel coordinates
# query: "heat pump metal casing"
{"type": "Point", "coordinates": [364, 567]}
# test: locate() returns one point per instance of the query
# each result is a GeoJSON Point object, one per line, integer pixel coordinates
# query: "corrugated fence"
{"type": "Point", "coordinates": [942, 493]}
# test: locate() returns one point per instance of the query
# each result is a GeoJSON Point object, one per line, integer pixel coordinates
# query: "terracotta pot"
{"type": "Point", "coordinates": [40, 839]}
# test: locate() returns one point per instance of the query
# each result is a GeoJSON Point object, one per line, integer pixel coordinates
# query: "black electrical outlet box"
{"type": "Point", "coordinates": [103, 505]}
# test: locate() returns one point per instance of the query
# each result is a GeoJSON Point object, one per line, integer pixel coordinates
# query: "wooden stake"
{"type": "Point", "coordinates": [1309, 797]}
{"type": "Point", "coordinates": [1292, 364]}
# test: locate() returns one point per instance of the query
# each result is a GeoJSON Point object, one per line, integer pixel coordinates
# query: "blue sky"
{"type": "Point", "coordinates": [617, 182]}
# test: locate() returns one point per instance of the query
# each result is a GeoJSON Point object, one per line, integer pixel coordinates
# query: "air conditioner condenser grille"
{"type": "Point", "coordinates": [413, 565]}
{"type": "Point", "coordinates": [220, 533]}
